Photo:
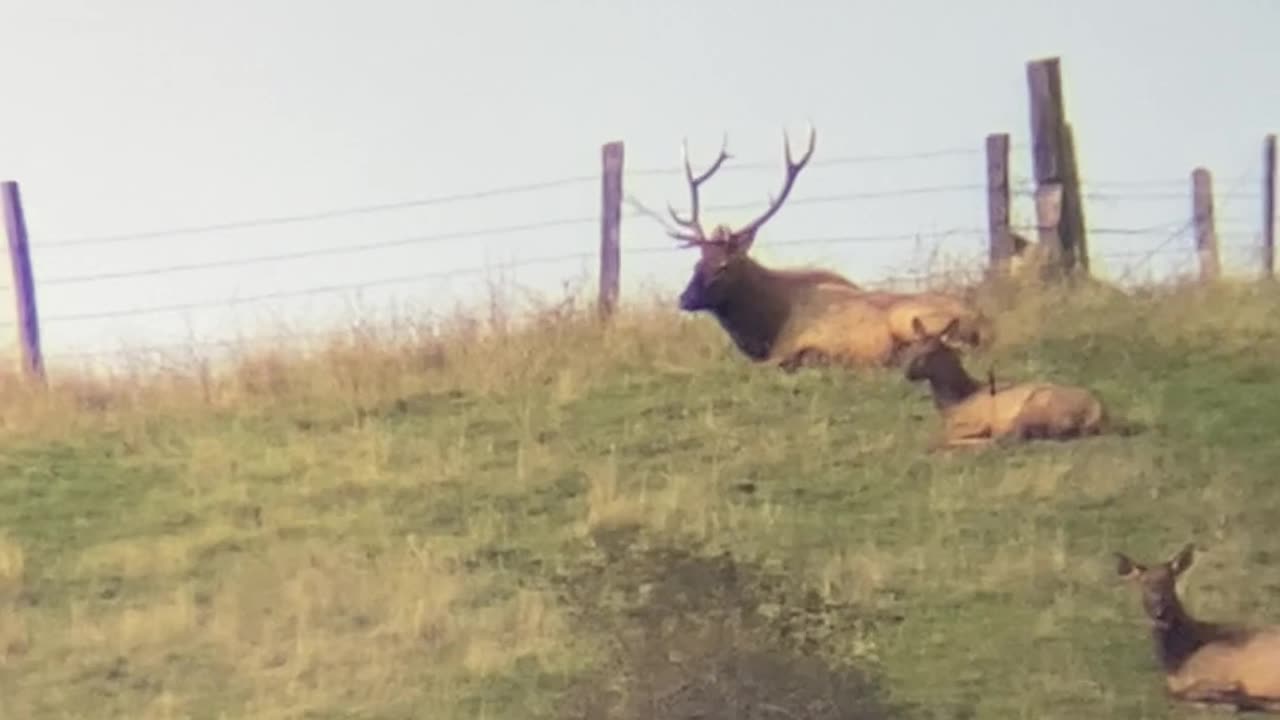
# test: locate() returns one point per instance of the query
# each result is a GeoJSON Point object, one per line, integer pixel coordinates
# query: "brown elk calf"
{"type": "Point", "coordinates": [974, 413]}
{"type": "Point", "coordinates": [1204, 662]}
{"type": "Point", "coordinates": [801, 317]}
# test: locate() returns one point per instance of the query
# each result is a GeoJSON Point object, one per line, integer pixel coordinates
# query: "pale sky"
{"type": "Point", "coordinates": [127, 119]}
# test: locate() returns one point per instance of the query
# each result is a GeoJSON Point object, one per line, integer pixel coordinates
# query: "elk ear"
{"type": "Point", "coordinates": [740, 244]}
{"type": "Point", "coordinates": [918, 327]}
{"type": "Point", "coordinates": [1126, 567]}
{"type": "Point", "coordinates": [948, 332]}
{"type": "Point", "coordinates": [1179, 563]}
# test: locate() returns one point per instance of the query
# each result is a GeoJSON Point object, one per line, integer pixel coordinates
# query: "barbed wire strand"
{"type": "Point", "coordinates": [191, 346]}
{"type": "Point", "coordinates": [321, 252]}
{"type": "Point", "coordinates": [1168, 249]}
{"type": "Point", "coordinates": [1163, 248]}
{"type": "Point", "coordinates": [464, 234]}
{"type": "Point", "coordinates": [351, 211]}
{"type": "Point", "coordinates": [315, 290]}
{"type": "Point", "coordinates": [1100, 196]}
{"type": "Point", "coordinates": [462, 272]}
{"type": "Point", "coordinates": [640, 208]}
{"type": "Point", "coordinates": [318, 215]}
{"type": "Point", "coordinates": [355, 210]}
{"type": "Point", "coordinates": [640, 250]}
{"type": "Point", "coordinates": [473, 270]}
{"type": "Point", "coordinates": [468, 271]}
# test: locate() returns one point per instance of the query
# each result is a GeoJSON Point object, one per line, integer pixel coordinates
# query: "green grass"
{"type": "Point", "coordinates": [565, 520]}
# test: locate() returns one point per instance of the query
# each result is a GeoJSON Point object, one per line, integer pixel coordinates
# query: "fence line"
{"type": "Point", "coordinates": [192, 346]}
{"type": "Point", "coordinates": [1160, 230]}
{"type": "Point", "coordinates": [462, 234]}
{"type": "Point", "coordinates": [500, 191]}
{"type": "Point", "coordinates": [466, 271]}
{"type": "Point", "coordinates": [1025, 189]}
{"type": "Point", "coordinates": [1057, 191]}
{"type": "Point", "coordinates": [971, 232]}
{"type": "Point", "coordinates": [551, 224]}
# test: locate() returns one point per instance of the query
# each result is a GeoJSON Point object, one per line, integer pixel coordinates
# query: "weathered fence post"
{"type": "Point", "coordinates": [1269, 207]}
{"type": "Point", "coordinates": [1053, 153]}
{"type": "Point", "coordinates": [1000, 242]}
{"type": "Point", "coordinates": [1049, 229]}
{"type": "Point", "coordinates": [1206, 232]}
{"type": "Point", "coordinates": [26, 319]}
{"type": "Point", "coordinates": [610, 227]}
{"type": "Point", "coordinates": [1073, 200]}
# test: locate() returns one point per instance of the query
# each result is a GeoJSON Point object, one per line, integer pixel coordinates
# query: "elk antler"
{"type": "Point", "coordinates": [793, 169]}
{"type": "Point", "coordinates": [695, 235]}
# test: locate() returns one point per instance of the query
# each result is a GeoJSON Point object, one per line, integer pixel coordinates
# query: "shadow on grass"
{"type": "Point", "coordinates": [691, 635]}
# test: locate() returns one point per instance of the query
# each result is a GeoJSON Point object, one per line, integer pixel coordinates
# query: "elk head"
{"type": "Point", "coordinates": [933, 355]}
{"type": "Point", "coordinates": [1157, 583]}
{"type": "Point", "coordinates": [725, 247]}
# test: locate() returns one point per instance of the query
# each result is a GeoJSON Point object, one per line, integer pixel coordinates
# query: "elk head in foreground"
{"type": "Point", "coordinates": [974, 413]}
{"type": "Point", "coordinates": [1203, 662]}
{"type": "Point", "coordinates": [790, 317]}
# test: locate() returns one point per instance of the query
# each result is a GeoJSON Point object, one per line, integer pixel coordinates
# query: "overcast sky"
{"type": "Point", "coordinates": [124, 120]}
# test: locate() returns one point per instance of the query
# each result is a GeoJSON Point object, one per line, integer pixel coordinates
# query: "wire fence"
{"type": "Point", "coordinates": [1120, 252]}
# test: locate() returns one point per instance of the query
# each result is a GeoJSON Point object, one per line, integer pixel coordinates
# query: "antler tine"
{"type": "Point", "coordinates": [793, 170]}
{"type": "Point", "coordinates": [696, 236]}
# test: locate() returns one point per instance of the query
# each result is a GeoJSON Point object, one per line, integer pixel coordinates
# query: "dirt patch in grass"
{"type": "Point", "coordinates": [689, 634]}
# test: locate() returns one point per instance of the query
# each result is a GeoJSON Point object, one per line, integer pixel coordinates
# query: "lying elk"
{"type": "Point", "coordinates": [975, 413]}
{"type": "Point", "coordinates": [801, 317]}
{"type": "Point", "coordinates": [1203, 662]}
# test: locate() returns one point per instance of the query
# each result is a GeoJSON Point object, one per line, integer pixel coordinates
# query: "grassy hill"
{"type": "Point", "coordinates": [564, 521]}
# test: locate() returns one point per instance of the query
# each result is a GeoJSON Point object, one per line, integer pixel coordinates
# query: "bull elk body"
{"type": "Point", "coordinates": [1205, 662]}
{"type": "Point", "coordinates": [794, 317]}
{"type": "Point", "coordinates": [976, 413]}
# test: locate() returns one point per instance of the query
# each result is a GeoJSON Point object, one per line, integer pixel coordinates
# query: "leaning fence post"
{"type": "Point", "coordinates": [26, 319]}
{"type": "Point", "coordinates": [1073, 208]}
{"type": "Point", "coordinates": [1056, 174]}
{"type": "Point", "coordinates": [611, 155]}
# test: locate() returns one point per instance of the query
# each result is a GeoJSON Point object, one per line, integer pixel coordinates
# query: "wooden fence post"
{"type": "Point", "coordinates": [1055, 172]}
{"type": "Point", "coordinates": [1269, 207]}
{"type": "Point", "coordinates": [1206, 232]}
{"type": "Point", "coordinates": [610, 227]}
{"type": "Point", "coordinates": [1073, 200]}
{"type": "Point", "coordinates": [1048, 229]}
{"type": "Point", "coordinates": [1000, 242]}
{"type": "Point", "coordinates": [27, 320]}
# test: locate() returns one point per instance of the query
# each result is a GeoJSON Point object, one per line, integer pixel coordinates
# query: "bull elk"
{"type": "Point", "coordinates": [975, 413]}
{"type": "Point", "coordinates": [1225, 664]}
{"type": "Point", "coordinates": [794, 317]}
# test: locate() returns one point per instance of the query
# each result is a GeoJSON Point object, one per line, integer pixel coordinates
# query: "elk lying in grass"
{"type": "Point", "coordinates": [974, 413]}
{"type": "Point", "coordinates": [1203, 662]}
{"type": "Point", "coordinates": [801, 317]}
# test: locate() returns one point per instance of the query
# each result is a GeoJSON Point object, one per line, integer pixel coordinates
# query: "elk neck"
{"type": "Point", "coordinates": [951, 384]}
{"type": "Point", "coordinates": [1177, 637]}
{"type": "Point", "coordinates": [755, 308]}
